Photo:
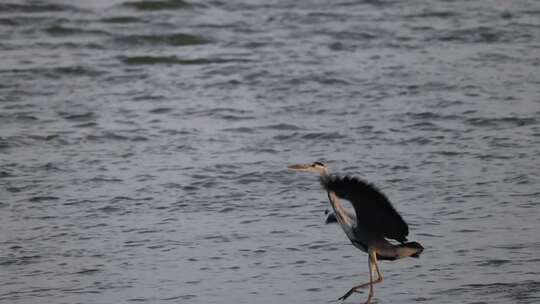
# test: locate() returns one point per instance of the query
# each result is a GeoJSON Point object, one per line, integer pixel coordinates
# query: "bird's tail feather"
{"type": "Point", "coordinates": [415, 248]}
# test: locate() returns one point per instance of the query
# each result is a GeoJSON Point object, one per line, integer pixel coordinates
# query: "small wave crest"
{"type": "Point", "coordinates": [176, 39]}
{"type": "Point", "coordinates": [148, 60]}
{"type": "Point", "coordinates": [156, 5]}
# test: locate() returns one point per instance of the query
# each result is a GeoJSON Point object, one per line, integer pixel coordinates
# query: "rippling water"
{"type": "Point", "coordinates": [143, 148]}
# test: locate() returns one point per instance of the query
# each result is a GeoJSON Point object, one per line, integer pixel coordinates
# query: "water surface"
{"type": "Point", "coordinates": [144, 145]}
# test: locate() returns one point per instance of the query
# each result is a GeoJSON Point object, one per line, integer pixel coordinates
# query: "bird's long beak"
{"type": "Point", "coordinates": [301, 167]}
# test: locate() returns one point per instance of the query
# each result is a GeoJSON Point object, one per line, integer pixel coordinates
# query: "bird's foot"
{"type": "Point", "coordinates": [369, 298]}
{"type": "Point", "coordinates": [348, 294]}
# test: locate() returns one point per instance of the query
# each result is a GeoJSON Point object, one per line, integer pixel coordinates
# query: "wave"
{"type": "Point", "coordinates": [122, 19]}
{"type": "Point", "coordinates": [177, 39]}
{"type": "Point", "coordinates": [480, 34]}
{"type": "Point", "coordinates": [502, 121]}
{"type": "Point", "coordinates": [312, 135]}
{"type": "Point", "coordinates": [56, 72]}
{"type": "Point", "coordinates": [158, 5]}
{"type": "Point", "coordinates": [34, 7]}
{"type": "Point", "coordinates": [147, 60]}
{"type": "Point", "coordinates": [281, 127]}
{"type": "Point", "coordinates": [60, 30]}
{"type": "Point", "coordinates": [84, 116]}
{"type": "Point", "coordinates": [433, 14]}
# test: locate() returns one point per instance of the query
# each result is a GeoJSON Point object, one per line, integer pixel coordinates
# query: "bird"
{"type": "Point", "coordinates": [375, 221]}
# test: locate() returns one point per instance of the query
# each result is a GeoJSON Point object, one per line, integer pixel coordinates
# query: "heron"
{"type": "Point", "coordinates": [375, 222]}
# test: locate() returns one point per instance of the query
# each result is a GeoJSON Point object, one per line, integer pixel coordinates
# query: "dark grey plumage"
{"type": "Point", "coordinates": [374, 212]}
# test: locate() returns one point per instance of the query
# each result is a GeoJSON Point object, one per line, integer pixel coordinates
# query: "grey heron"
{"type": "Point", "coordinates": [375, 221]}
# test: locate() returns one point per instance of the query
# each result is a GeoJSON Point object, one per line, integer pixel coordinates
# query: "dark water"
{"type": "Point", "coordinates": [143, 148]}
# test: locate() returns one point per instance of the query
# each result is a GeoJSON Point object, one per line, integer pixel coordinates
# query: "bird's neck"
{"type": "Point", "coordinates": [341, 214]}
{"type": "Point", "coordinates": [339, 210]}
{"type": "Point", "coordinates": [342, 217]}
{"type": "Point", "coordinates": [324, 172]}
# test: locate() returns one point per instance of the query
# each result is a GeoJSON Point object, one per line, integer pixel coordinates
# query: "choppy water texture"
{"type": "Point", "coordinates": [143, 148]}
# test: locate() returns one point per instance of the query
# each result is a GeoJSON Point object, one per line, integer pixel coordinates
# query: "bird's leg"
{"type": "Point", "coordinates": [372, 264]}
{"type": "Point", "coordinates": [379, 275]}
{"type": "Point", "coordinates": [355, 288]}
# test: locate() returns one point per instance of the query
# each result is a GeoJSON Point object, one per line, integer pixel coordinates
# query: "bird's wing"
{"type": "Point", "coordinates": [331, 217]}
{"type": "Point", "coordinates": [374, 212]}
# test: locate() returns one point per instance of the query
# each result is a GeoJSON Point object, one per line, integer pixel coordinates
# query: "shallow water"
{"type": "Point", "coordinates": [143, 148]}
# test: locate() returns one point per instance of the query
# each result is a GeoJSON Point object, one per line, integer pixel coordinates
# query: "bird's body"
{"type": "Point", "coordinates": [374, 224]}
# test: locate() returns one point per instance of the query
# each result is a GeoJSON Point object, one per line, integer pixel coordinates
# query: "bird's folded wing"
{"type": "Point", "coordinates": [374, 212]}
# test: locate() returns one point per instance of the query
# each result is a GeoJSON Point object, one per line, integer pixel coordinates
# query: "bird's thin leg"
{"type": "Point", "coordinates": [372, 263]}
{"type": "Point", "coordinates": [379, 274]}
{"type": "Point", "coordinates": [373, 266]}
{"type": "Point", "coordinates": [355, 288]}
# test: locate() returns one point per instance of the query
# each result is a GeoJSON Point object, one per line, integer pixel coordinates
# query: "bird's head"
{"type": "Point", "coordinates": [316, 167]}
